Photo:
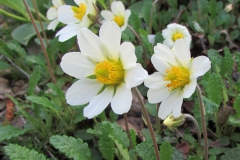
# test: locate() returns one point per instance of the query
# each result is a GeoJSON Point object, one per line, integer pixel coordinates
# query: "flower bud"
{"type": "Point", "coordinates": [172, 123]}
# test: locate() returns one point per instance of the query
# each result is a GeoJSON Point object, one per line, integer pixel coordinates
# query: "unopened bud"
{"type": "Point", "coordinates": [172, 123]}
{"type": "Point", "coordinates": [197, 27]}
{"type": "Point", "coordinates": [228, 8]}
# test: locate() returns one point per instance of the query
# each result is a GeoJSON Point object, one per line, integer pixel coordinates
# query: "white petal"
{"type": "Point", "coordinates": [172, 103]}
{"type": "Point", "coordinates": [52, 25]}
{"type": "Point", "coordinates": [110, 35]}
{"type": "Point", "coordinates": [80, 1]}
{"type": "Point", "coordinates": [190, 88]}
{"type": "Point", "coordinates": [66, 15]}
{"type": "Point", "coordinates": [135, 76]}
{"type": "Point", "coordinates": [90, 45]}
{"type": "Point", "coordinates": [57, 3]}
{"type": "Point", "coordinates": [168, 42]}
{"type": "Point", "coordinates": [181, 51]}
{"type": "Point", "coordinates": [165, 53]}
{"type": "Point", "coordinates": [98, 103]}
{"type": "Point", "coordinates": [122, 99]}
{"type": "Point", "coordinates": [127, 14]}
{"type": "Point", "coordinates": [127, 55]}
{"type": "Point", "coordinates": [86, 22]}
{"type": "Point", "coordinates": [82, 91]}
{"type": "Point", "coordinates": [118, 8]}
{"type": "Point", "coordinates": [107, 15]}
{"type": "Point", "coordinates": [160, 64]}
{"type": "Point", "coordinates": [77, 65]}
{"type": "Point", "coordinates": [68, 32]}
{"type": "Point", "coordinates": [155, 81]}
{"type": "Point", "coordinates": [157, 95]}
{"type": "Point", "coordinates": [151, 38]}
{"type": "Point", "coordinates": [52, 13]}
{"type": "Point", "coordinates": [200, 65]}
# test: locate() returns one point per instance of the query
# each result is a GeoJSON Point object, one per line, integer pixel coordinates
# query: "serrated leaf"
{"type": "Point", "coordinates": [120, 135]}
{"type": "Point", "coordinates": [8, 132]}
{"type": "Point", "coordinates": [71, 147]}
{"type": "Point", "coordinates": [134, 21]}
{"type": "Point", "coordinates": [79, 115]}
{"type": "Point", "coordinates": [15, 46]}
{"type": "Point", "coordinates": [216, 59]}
{"type": "Point", "coordinates": [236, 105]}
{"type": "Point", "coordinates": [203, 6]}
{"type": "Point", "coordinates": [121, 148]}
{"type": "Point", "coordinates": [36, 60]}
{"type": "Point", "coordinates": [146, 150]}
{"type": "Point", "coordinates": [217, 151]}
{"type": "Point", "coordinates": [233, 154]}
{"type": "Point", "coordinates": [146, 9]}
{"type": "Point", "coordinates": [16, 152]}
{"type": "Point", "coordinates": [166, 151]}
{"type": "Point", "coordinates": [151, 108]}
{"type": "Point", "coordinates": [177, 155]}
{"type": "Point", "coordinates": [45, 102]}
{"type": "Point", "coordinates": [139, 52]}
{"type": "Point", "coordinates": [213, 10]}
{"type": "Point", "coordinates": [147, 45]}
{"type": "Point", "coordinates": [33, 80]}
{"type": "Point", "coordinates": [210, 106]}
{"type": "Point", "coordinates": [227, 63]}
{"type": "Point", "coordinates": [133, 138]}
{"type": "Point", "coordinates": [15, 5]}
{"type": "Point", "coordinates": [158, 38]}
{"type": "Point", "coordinates": [221, 18]}
{"type": "Point", "coordinates": [56, 90]}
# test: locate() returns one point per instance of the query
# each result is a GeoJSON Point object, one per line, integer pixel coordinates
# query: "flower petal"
{"type": "Point", "coordinates": [52, 25]}
{"type": "Point", "coordinates": [181, 51]}
{"type": "Point", "coordinates": [80, 1]}
{"type": "Point", "coordinates": [107, 15]}
{"type": "Point", "coordinates": [135, 76]}
{"type": "Point", "coordinates": [57, 3]}
{"type": "Point", "coordinates": [98, 103]}
{"type": "Point", "coordinates": [122, 99]}
{"type": "Point", "coordinates": [90, 45]}
{"type": "Point", "coordinates": [165, 53]}
{"type": "Point", "coordinates": [200, 65]}
{"type": "Point", "coordinates": [110, 35]}
{"type": "Point", "coordinates": [77, 65]}
{"type": "Point", "coordinates": [82, 91]}
{"type": "Point", "coordinates": [118, 8]}
{"type": "Point", "coordinates": [172, 103]}
{"type": "Point", "coordinates": [190, 88]}
{"type": "Point", "coordinates": [52, 13]}
{"type": "Point", "coordinates": [155, 81]}
{"type": "Point", "coordinates": [127, 55]}
{"type": "Point", "coordinates": [68, 32]}
{"type": "Point", "coordinates": [157, 95]}
{"type": "Point", "coordinates": [66, 15]}
{"type": "Point", "coordinates": [160, 64]}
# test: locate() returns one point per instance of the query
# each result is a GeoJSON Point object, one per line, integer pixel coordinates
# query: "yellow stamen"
{"type": "Point", "coordinates": [110, 73]}
{"type": "Point", "coordinates": [178, 77]}
{"type": "Point", "coordinates": [119, 20]}
{"type": "Point", "coordinates": [80, 11]}
{"type": "Point", "coordinates": [176, 36]}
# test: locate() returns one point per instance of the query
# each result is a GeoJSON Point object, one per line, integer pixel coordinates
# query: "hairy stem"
{"type": "Point", "coordinates": [148, 122]}
{"type": "Point", "coordinates": [41, 41]}
{"type": "Point", "coordinates": [204, 127]}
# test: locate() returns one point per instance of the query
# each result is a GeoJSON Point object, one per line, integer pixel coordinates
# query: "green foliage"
{"type": "Point", "coordinates": [227, 63]}
{"type": "Point", "coordinates": [4, 65]}
{"type": "Point", "coordinates": [71, 147]}
{"type": "Point", "coordinates": [133, 138]}
{"type": "Point", "coordinates": [15, 46]}
{"type": "Point", "coordinates": [166, 151]}
{"type": "Point", "coordinates": [15, 5]}
{"type": "Point", "coordinates": [147, 45]}
{"type": "Point", "coordinates": [232, 154]}
{"type": "Point", "coordinates": [236, 105]}
{"type": "Point", "coordinates": [203, 6]}
{"type": "Point", "coordinates": [213, 10]}
{"type": "Point", "coordinates": [36, 60]}
{"type": "Point", "coordinates": [134, 21]}
{"type": "Point", "coordinates": [146, 10]}
{"type": "Point", "coordinates": [177, 155]}
{"type": "Point", "coordinates": [56, 90]}
{"type": "Point", "coordinates": [173, 3]}
{"type": "Point", "coordinates": [4, 49]}
{"type": "Point", "coordinates": [121, 148]}
{"type": "Point", "coordinates": [8, 132]}
{"type": "Point", "coordinates": [217, 151]}
{"type": "Point", "coordinates": [33, 80]}
{"type": "Point", "coordinates": [146, 150]}
{"type": "Point", "coordinates": [151, 108]}
{"type": "Point", "coordinates": [139, 52]}
{"type": "Point", "coordinates": [16, 152]}
{"type": "Point", "coordinates": [210, 106]}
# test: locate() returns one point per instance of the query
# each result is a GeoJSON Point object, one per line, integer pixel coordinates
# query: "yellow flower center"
{"type": "Point", "coordinates": [178, 77]}
{"type": "Point", "coordinates": [80, 11]}
{"type": "Point", "coordinates": [119, 20]}
{"type": "Point", "coordinates": [110, 73]}
{"type": "Point", "coordinates": [176, 36]}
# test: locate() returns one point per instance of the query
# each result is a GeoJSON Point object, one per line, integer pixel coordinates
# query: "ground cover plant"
{"type": "Point", "coordinates": [104, 79]}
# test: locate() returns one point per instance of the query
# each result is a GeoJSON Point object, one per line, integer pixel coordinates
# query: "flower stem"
{"type": "Point", "coordinates": [13, 16]}
{"type": "Point", "coordinates": [127, 130]}
{"type": "Point", "coordinates": [158, 121]}
{"type": "Point", "coordinates": [148, 122]}
{"type": "Point", "coordinates": [151, 16]}
{"type": "Point", "coordinates": [41, 41]}
{"type": "Point", "coordinates": [204, 128]}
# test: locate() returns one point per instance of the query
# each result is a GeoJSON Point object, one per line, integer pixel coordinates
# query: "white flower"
{"type": "Point", "coordinates": [106, 71]}
{"type": "Point", "coordinates": [76, 17]}
{"type": "Point", "coordinates": [52, 14]}
{"type": "Point", "coordinates": [151, 38]}
{"type": "Point", "coordinates": [175, 31]}
{"type": "Point", "coordinates": [176, 77]}
{"type": "Point", "coordinates": [118, 14]}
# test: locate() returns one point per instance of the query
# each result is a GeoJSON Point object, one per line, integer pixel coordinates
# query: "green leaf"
{"type": "Point", "coordinates": [121, 148]}
{"type": "Point", "coordinates": [227, 62]}
{"type": "Point", "coordinates": [217, 151]}
{"type": "Point", "coordinates": [203, 6]}
{"type": "Point", "coordinates": [213, 10]}
{"type": "Point", "coordinates": [45, 102]}
{"type": "Point", "coordinates": [216, 59]}
{"type": "Point", "coordinates": [166, 151]}
{"type": "Point", "coordinates": [4, 65]}
{"type": "Point", "coordinates": [4, 49]}
{"type": "Point", "coordinates": [177, 155]}
{"type": "Point", "coordinates": [79, 115]}
{"type": "Point", "coordinates": [147, 45]}
{"type": "Point", "coordinates": [232, 154]}
{"type": "Point", "coordinates": [146, 9]}
{"type": "Point", "coordinates": [120, 135]}
{"type": "Point", "coordinates": [139, 52]}
{"type": "Point", "coordinates": [236, 105]}
{"type": "Point", "coordinates": [71, 147]}
{"type": "Point", "coordinates": [33, 80]}
{"type": "Point", "coordinates": [133, 138]}
{"type": "Point", "coordinates": [159, 38]}
{"type": "Point", "coordinates": [15, 5]}
{"type": "Point", "coordinates": [8, 132]}
{"type": "Point", "coordinates": [56, 90]}
{"type": "Point", "coordinates": [238, 21]}
{"type": "Point", "coordinates": [151, 108]}
{"type": "Point", "coordinates": [173, 3]}
{"type": "Point", "coordinates": [221, 18]}
{"type": "Point", "coordinates": [15, 46]}
{"type": "Point", "coordinates": [134, 21]}
{"type": "Point", "coordinates": [36, 60]}
{"type": "Point", "coordinates": [16, 152]}
{"type": "Point", "coordinates": [210, 106]}
{"type": "Point", "coordinates": [25, 32]}
{"type": "Point", "coordinates": [146, 150]}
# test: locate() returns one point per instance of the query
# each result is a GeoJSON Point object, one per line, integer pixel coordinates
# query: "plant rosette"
{"type": "Point", "coordinates": [176, 77]}
{"type": "Point", "coordinates": [76, 17]}
{"type": "Point", "coordinates": [174, 32]}
{"type": "Point", "coordinates": [117, 14]}
{"type": "Point", "coordinates": [106, 71]}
